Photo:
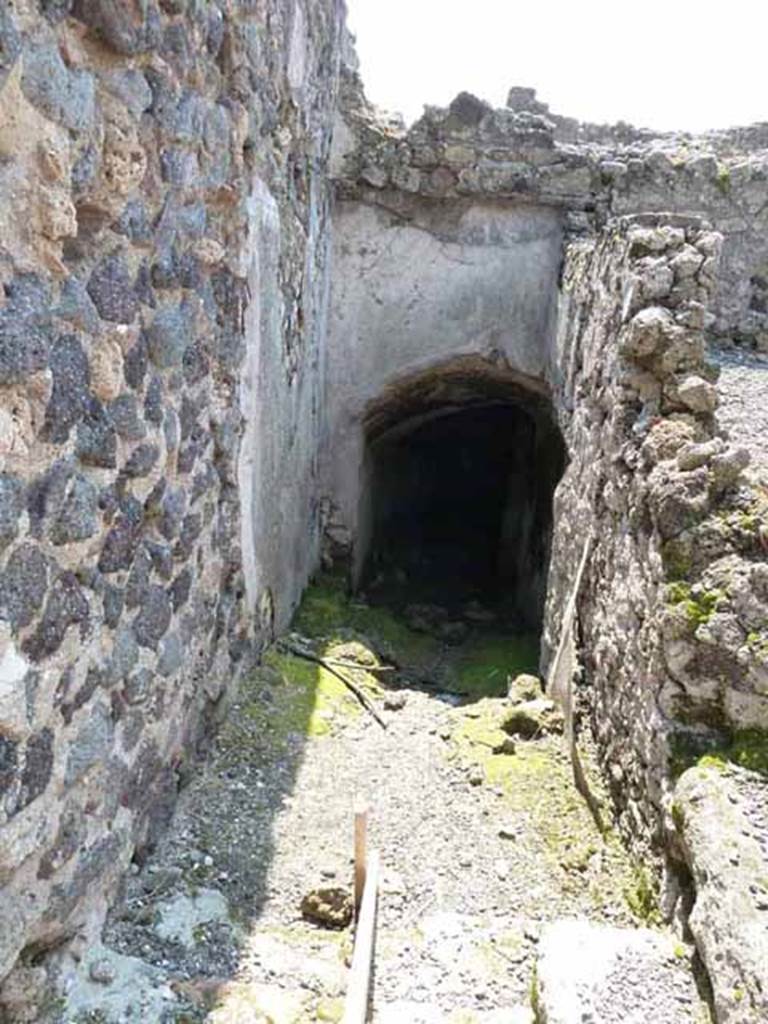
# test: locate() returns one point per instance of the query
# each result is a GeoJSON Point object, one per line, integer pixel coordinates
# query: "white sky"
{"type": "Point", "coordinates": [689, 64]}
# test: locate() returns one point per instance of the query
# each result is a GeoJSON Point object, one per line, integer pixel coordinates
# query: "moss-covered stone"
{"type": "Point", "coordinates": [488, 661]}
{"type": "Point", "coordinates": [537, 780]}
{"type": "Point", "coordinates": [642, 895]}
{"type": "Point", "coordinates": [533, 718]}
{"type": "Point", "coordinates": [699, 604]}
{"type": "Point", "coordinates": [327, 610]}
{"type": "Point", "coordinates": [747, 748]}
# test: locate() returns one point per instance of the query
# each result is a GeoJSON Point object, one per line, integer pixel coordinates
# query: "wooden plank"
{"type": "Point", "coordinates": [560, 676]}
{"type": "Point", "coordinates": [356, 1008]}
{"type": "Point", "coordinates": [361, 842]}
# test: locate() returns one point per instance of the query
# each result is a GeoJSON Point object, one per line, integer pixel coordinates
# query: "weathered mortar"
{"type": "Point", "coordinates": [164, 215]}
{"type": "Point", "coordinates": [648, 472]}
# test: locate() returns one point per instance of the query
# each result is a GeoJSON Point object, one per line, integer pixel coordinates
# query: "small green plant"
{"type": "Point", "coordinates": [724, 179]}
{"type": "Point", "coordinates": [699, 606]}
{"type": "Point", "coordinates": [642, 896]}
{"type": "Point", "coordinates": [758, 643]}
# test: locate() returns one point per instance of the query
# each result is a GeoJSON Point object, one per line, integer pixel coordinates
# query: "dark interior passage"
{"type": "Point", "coordinates": [461, 507]}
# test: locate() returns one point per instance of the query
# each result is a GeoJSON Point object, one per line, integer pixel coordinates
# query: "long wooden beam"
{"type": "Point", "coordinates": [361, 851]}
{"type": "Point", "coordinates": [356, 1008]}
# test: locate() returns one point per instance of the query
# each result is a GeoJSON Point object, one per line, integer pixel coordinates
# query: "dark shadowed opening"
{"type": "Point", "coordinates": [460, 473]}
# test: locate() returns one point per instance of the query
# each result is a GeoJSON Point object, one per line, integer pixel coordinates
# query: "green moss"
{"type": "Point", "coordinates": [642, 895]}
{"type": "Point", "coordinates": [331, 1010]}
{"type": "Point", "coordinates": [313, 696]}
{"type": "Point", "coordinates": [757, 641]}
{"type": "Point", "coordinates": [327, 610]}
{"type": "Point", "coordinates": [305, 700]}
{"type": "Point", "coordinates": [723, 179]}
{"type": "Point", "coordinates": [537, 782]}
{"type": "Point", "coordinates": [747, 748]}
{"type": "Point", "coordinates": [699, 606]}
{"type": "Point", "coordinates": [678, 591]}
{"type": "Point", "coordinates": [487, 662]}
{"type": "Point", "coordinates": [678, 816]}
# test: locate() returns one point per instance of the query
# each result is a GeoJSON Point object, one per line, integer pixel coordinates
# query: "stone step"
{"type": "Point", "coordinates": [607, 975]}
{"type": "Point", "coordinates": [405, 1012]}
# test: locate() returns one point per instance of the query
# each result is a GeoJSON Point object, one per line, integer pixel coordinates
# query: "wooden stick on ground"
{"type": "Point", "coordinates": [373, 669]}
{"type": "Point", "coordinates": [301, 652]}
{"type": "Point", "coordinates": [356, 1008]}
{"type": "Point", "coordinates": [361, 838]}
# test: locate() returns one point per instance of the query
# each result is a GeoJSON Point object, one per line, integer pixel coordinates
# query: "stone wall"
{"type": "Point", "coordinates": [525, 154]}
{"type": "Point", "coordinates": [674, 579]}
{"type": "Point", "coordinates": [164, 218]}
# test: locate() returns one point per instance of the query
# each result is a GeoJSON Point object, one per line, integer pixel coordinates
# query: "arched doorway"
{"type": "Point", "coordinates": [460, 467]}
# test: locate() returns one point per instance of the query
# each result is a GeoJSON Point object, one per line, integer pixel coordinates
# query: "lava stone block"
{"type": "Point", "coordinates": [111, 289]}
{"type": "Point", "coordinates": [11, 507]}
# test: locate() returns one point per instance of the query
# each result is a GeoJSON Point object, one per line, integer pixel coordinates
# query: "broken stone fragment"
{"type": "Point", "coordinates": [375, 176]}
{"type": "Point", "coordinates": [697, 394]}
{"type": "Point", "coordinates": [23, 585]}
{"type": "Point", "coordinates": [716, 822]}
{"type": "Point", "coordinates": [666, 438]}
{"type": "Point", "coordinates": [692, 456]}
{"type": "Point", "coordinates": [475, 612]}
{"type": "Point", "coordinates": [532, 719]}
{"type": "Point", "coordinates": [11, 507]}
{"type": "Point", "coordinates": [424, 618]}
{"type": "Point", "coordinates": [102, 972]}
{"type": "Point", "coordinates": [612, 170]}
{"type": "Point", "coordinates": [643, 240]}
{"type": "Point", "coordinates": [727, 466]}
{"type": "Point", "coordinates": [468, 110]}
{"type": "Point", "coordinates": [656, 278]}
{"type": "Point", "coordinates": [331, 907]}
{"type": "Point", "coordinates": [127, 28]}
{"type": "Point", "coordinates": [452, 632]}
{"type": "Point", "coordinates": [524, 688]}
{"type": "Point", "coordinates": [504, 745]}
{"type": "Point", "coordinates": [647, 332]}
{"type": "Point", "coordinates": [111, 290]}
{"type": "Point", "coordinates": [678, 501]}
{"type": "Point", "coordinates": [395, 700]}
{"type": "Point", "coordinates": [687, 262]}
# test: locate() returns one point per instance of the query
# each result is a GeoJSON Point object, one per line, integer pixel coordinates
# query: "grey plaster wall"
{"type": "Point", "coordinates": [418, 284]}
